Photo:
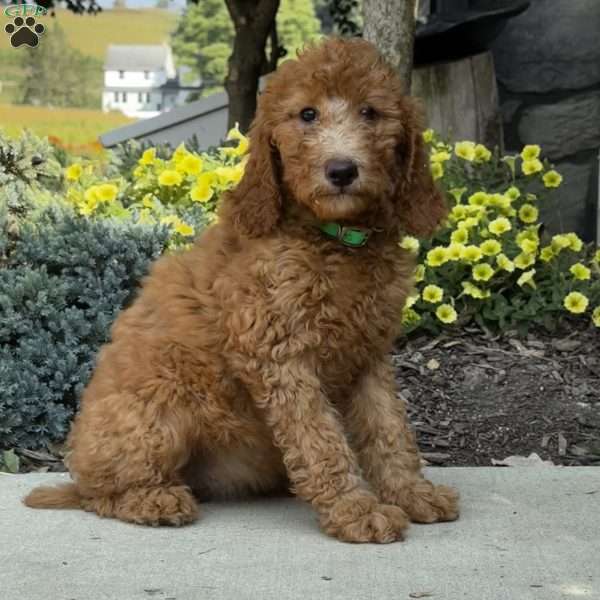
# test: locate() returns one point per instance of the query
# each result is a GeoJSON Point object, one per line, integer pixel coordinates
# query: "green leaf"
{"type": "Point", "coordinates": [10, 461]}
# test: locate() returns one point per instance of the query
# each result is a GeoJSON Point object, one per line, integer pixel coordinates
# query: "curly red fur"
{"type": "Point", "coordinates": [258, 360]}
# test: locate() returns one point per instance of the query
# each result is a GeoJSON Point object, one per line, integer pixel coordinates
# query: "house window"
{"type": "Point", "coordinates": [146, 75]}
{"type": "Point", "coordinates": [121, 74]}
{"type": "Point", "coordinates": [147, 96]}
{"type": "Point", "coordinates": [140, 97]}
{"type": "Point", "coordinates": [124, 96]}
{"type": "Point", "coordinates": [116, 96]}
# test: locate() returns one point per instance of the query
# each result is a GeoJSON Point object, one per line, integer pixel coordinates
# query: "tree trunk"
{"type": "Point", "coordinates": [254, 22]}
{"type": "Point", "coordinates": [390, 25]}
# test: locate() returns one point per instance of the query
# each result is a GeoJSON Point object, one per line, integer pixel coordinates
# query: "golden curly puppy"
{"type": "Point", "coordinates": [258, 360]}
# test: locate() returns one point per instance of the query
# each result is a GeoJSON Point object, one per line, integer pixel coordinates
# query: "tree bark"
{"type": "Point", "coordinates": [254, 22]}
{"type": "Point", "coordinates": [390, 25]}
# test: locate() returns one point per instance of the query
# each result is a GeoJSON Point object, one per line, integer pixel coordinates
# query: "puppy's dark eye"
{"type": "Point", "coordinates": [308, 114]}
{"type": "Point", "coordinates": [368, 112]}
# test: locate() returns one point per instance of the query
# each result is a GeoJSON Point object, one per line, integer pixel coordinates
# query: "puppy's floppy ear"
{"type": "Point", "coordinates": [420, 205]}
{"type": "Point", "coordinates": [254, 206]}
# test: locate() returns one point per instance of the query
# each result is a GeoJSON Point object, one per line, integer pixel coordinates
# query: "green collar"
{"type": "Point", "coordinates": [351, 236]}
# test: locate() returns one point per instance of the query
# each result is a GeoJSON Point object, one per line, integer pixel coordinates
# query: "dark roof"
{"type": "Point", "coordinates": [175, 116]}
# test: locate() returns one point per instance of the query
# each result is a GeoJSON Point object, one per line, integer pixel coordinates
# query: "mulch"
{"type": "Point", "coordinates": [474, 398]}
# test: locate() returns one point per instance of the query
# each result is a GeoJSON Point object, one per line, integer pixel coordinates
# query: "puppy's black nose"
{"type": "Point", "coordinates": [341, 172]}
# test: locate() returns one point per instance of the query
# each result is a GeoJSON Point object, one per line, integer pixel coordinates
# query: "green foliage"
{"type": "Point", "coordinates": [61, 286]}
{"type": "Point", "coordinates": [60, 75]}
{"type": "Point", "coordinates": [204, 36]}
{"type": "Point", "coordinates": [27, 168]}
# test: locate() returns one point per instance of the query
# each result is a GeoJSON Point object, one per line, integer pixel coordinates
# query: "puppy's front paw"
{"type": "Point", "coordinates": [379, 523]}
{"type": "Point", "coordinates": [425, 502]}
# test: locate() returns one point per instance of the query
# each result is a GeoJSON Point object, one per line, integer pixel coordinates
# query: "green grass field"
{"type": "Point", "coordinates": [73, 126]}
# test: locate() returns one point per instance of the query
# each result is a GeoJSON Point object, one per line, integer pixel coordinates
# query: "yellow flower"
{"type": "Point", "coordinates": [440, 156]}
{"type": "Point", "coordinates": [529, 167]}
{"type": "Point", "coordinates": [202, 191]}
{"type": "Point", "coordinates": [490, 247]}
{"type": "Point", "coordinates": [410, 317]}
{"type": "Point", "coordinates": [229, 175]}
{"type": "Point", "coordinates": [596, 258]}
{"type": "Point", "coordinates": [580, 271]}
{"type": "Point", "coordinates": [468, 223]}
{"type": "Point", "coordinates": [475, 292]}
{"type": "Point", "coordinates": [465, 150]}
{"type": "Point", "coordinates": [547, 254]}
{"type": "Point", "coordinates": [107, 192]}
{"type": "Point", "coordinates": [455, 251]}
{"type": "Point", "coordinates": [472, 253]}
{"type": "Point", "coordinates": [184, 229]}
{"type": "Point", "coordinates": [530, 152]}
{"type": "Point", "coordinates": [596, 316]}
{"type": "Point", "coordinates": [148, 201]}
{"type": "Point", "coordinates": [482, 154]}
{"type": "Point", "coordinates": [457, 193]}
{"type": "Point", "coordinates": [482, 272]}
{"type": "Point", "coordinates": [478, 199]}
{"type": "Point", "coordinates": [513, 192]}
{"type": "Point", "coordinates": [432, 293]}
{"type": "Point", "coordinates": [510, 163]}
{"type": "Point", "coordinates": [458, 212]}
{"type": "Point", "coordinates": [73, 173]}
{"type": "Point", "coordinates": [576, 302]}
{"type": "Point", "coordinates": [428, 136]}
{"type": "Point", "coordinates": [419, 273]}
{"type": "Point", "coordinates": [499, 226]}
{"type": "Point", "coordinates": [411, 300]}
{"type": "Point", "coordinates": [446, 313]}
{"type": "Point", "coordinates": [459, 236]}
{"type": "Point", "coordinates": [170, 178]}
{"type": "Point", "coordinates": [552, 179]}
{"type": "Point", "coordinates": [180, 153]}
{"type": "Point", "coordinates": [148, 157]}
{"type": "Point", "coordinates": [499, 201]}
{"type": "Point", "coordinates": [528, 213]}
{"type": "Point", "coordinates": [437, 256]}
{"type": "Point", "coordinates": [505, 263]}
{"type": "Point", "coordinates": [410, 243]}
{"type": "Point", "coordinates": [437, 170]}
{"type": "Point", "coordinates": [528, 246]}
{"type": "Point", "coordinates": [191, 164]}
{"type": "Point", "coordinates": [575, 242]}
{"type": "Point", "coordinates": [91, 196]}
{"type": "Point", "coordinates": [560, 242]}
{"type": "Point", "coordinates": [527, 278]}
{"type": "Point", "coordinates": [235, 134]}
{"type": "Point", "coordinates": [524, 260]}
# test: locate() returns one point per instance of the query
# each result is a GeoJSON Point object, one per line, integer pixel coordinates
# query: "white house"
{"type": "Point", "coordinates": [141, 81]}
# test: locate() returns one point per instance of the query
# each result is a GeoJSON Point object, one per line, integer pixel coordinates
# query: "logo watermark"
{"type": "Point", "coordinates": [24, 30]}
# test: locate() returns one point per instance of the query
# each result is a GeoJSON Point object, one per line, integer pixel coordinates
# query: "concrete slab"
{"type": "Point", "coordinates": [524, 534]}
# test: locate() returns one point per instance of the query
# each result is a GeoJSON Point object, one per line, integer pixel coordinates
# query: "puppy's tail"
{"type": "Point", "coordinates": [65, 495]}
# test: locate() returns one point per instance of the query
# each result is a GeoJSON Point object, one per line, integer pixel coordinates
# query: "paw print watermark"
{"type": "Point", "coordinates": [24, 30]}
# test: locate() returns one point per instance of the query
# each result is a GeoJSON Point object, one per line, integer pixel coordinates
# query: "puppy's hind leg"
{"type": "Point", "coordinates": [127, 456]}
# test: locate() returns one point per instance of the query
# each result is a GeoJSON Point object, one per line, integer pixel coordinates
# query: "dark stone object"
{"type": "Point", "coordinates": [565, 127]}
{"type": "Point", "coordinates": [554, 45]}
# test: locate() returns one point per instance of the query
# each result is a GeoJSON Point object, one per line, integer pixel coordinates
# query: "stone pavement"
{"type": "Point", "coordinates": [524, 534]}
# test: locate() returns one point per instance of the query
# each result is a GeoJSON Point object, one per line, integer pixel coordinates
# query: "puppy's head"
{"type": "Point", "coordinates": [335, 133]}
